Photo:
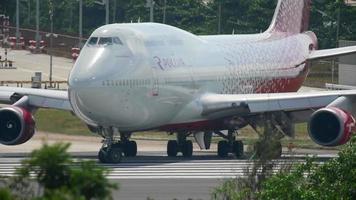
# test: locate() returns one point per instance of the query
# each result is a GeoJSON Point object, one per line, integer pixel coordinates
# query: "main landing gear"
{"type": "Point", "coordinates": [230, 145]}
{"type": "Point", "coordinates": [180, 145]}
{"type": "Point", "coordinates": [112, 151]}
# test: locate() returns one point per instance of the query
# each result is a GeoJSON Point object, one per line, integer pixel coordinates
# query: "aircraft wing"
{"type": "Point", "coordinates": [38, 98]}
{"type": "Point", "coordinates": [329, 53]}
{"type": "Point", "coordinates": [220, 105]}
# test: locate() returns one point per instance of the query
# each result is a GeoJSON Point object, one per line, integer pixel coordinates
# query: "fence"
{"type": "Point", "coordinates": [321, 73]}
{"type": "Point", "coordinates": [62, 44]}
{"type": "Point", "coordinates": [44, 84]}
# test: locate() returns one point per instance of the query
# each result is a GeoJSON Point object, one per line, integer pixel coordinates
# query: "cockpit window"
{"type": "Point", "coordinates": [105, 41]}
{"type": "Point", "coordinates": [93, 40]}
{"type": "Point", "coordinates": [117, 40]}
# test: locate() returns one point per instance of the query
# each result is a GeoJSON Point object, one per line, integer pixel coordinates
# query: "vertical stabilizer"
{"type": "Point", "coordinates": [291, 16]}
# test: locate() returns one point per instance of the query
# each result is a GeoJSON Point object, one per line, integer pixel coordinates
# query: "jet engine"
{"type": "Point", "coordinates": [17, 125]}
{"type": "Point", "coordinates": [331, 126]}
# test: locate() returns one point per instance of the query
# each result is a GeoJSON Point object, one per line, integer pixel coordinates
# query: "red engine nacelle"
{"type": "Point", "coordinates": [331, 126]}
{"type": "Point", "coordinates": [16, 125]}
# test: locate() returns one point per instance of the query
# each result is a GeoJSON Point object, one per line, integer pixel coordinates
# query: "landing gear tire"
{"type": "Point", "coordinates": [172, 148]}
{"type": "Point", "coordinates": [115, 155]}
{"type": "Point", "coordinates": [238, 148]}
{"type": "Point", "coordinates": [102, 155]}
{"type": "Point", "coordinates": [130, 149]}
{"type": "Point", "coordinates": [187, 148]}
{"type": "Point", "coordinates": [223, 149]}
{"type": "Point", "coordinates": [110, 155]}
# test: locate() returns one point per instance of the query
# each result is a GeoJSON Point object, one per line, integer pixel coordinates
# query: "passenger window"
{"type": "Point", "coordinates": [117, 40]}
{"type": "Point", "coordinates": [105, 41]}
{"type": "Point", "coordinates": [92, 41]}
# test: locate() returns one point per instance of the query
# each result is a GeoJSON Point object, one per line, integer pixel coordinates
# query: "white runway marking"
{"type": "Point", "coordinates": [197, 169]}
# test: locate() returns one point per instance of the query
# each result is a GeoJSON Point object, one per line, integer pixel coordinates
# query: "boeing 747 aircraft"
{"type": "Point", "coordinates": [149, 76]}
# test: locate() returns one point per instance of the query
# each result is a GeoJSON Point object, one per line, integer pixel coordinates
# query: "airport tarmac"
{"type": "Point", "coordinates": [151, 173]}
{"type": "Point", "coordinates": [27, 64]}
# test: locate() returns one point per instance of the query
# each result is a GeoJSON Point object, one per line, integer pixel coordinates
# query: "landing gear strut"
{"type": "Point", "coordinates": [230, 145]}
{"type": "Point", "coordinates": [111, 151]}
{"type": "Point", "coordinates": [180, 145]}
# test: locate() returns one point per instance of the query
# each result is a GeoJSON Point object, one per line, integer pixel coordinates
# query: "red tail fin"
{"type": "Point", "coordinates": [291, 16]}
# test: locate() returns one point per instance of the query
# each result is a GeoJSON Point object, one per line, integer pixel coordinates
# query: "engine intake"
{"type": "Point", "coordinates": [16, 125]}
{"type": "Point", "coordinates": [331, 126]}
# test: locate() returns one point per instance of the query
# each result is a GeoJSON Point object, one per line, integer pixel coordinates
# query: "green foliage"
{"type": "Point", "coordinates": [50, 164]}
{"type": "Point", "coordinates": [335, 179]}
{"type": "Point", "coordinates": [5, 194]}
{"type": "Point", "coordinates": [232, 189]}
{"type": "Point", "coordinates": [89, 181]}
{"type": "Point", "coordinates": [197, 16]}
{"type": "Point", "coordinates": [51, 174]}
{"type": "Point", "coordinates": [288, 185]}
{"type": "Point", "coordinates": [61, 194]}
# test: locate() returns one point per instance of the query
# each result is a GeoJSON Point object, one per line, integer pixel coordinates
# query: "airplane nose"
{"type": "Point", "coordinates": [89, 67]}
{"type": "Point", "coordinates": [81, 80]}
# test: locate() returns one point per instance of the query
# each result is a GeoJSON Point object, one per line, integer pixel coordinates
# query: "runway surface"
{"type": "Point", "coordinates": [160, 168]}
{"type": "Point", "coordinates": [152, 174]}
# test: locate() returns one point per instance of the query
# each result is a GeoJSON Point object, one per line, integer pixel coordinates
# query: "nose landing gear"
{"type": "Point", "coordinates": [112, 151]}
{"type": "Point", "coordinates": [110, 154]}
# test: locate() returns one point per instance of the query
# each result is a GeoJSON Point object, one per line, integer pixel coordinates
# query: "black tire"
{"type": "Point", "coordinates": [187, 149]}
{"type": "Point", "coordinates": [238, 148]}
{"type": "Point", "coordinates": [131, 148]}
{"type": "Point", "coordinates": [102, 155]}
{"type": "Point", "coordinates": [125, 148]}
{"type": "Point", "coordinates": [223, 149]}
{"type": "Point", "coordinates": [114, 155]}
{"type": "Point", "coordinates": [172, 148]}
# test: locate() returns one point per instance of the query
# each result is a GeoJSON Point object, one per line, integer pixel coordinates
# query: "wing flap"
{"type": "Point", "coordinates": [259, 103]}
{"type": "Point", "coordinates": [290, 104]}
{"type": "Point", "coordinates": [329, 53]}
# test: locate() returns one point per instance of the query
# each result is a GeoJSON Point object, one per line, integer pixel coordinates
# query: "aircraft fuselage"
{"type": "Point", "coordinates": [150, 75]}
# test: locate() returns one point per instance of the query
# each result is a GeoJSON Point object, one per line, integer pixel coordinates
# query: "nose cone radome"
{"type": "Point", "coordinates": [92, 65]}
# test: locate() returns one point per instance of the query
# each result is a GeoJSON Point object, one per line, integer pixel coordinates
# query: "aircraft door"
{"type": "Point", "coordinates": [155, 82]}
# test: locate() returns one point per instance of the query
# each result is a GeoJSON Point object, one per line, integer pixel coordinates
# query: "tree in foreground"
{"type": "Point", "coordinates": [5, 194]}
{"type": "Point", "coordinates": [334, 179]}
{"type": "Point", "coordinates": [51, 174]}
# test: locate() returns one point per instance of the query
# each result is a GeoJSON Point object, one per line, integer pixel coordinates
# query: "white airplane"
{"type": "Point", "coordinates": [148, 76]}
